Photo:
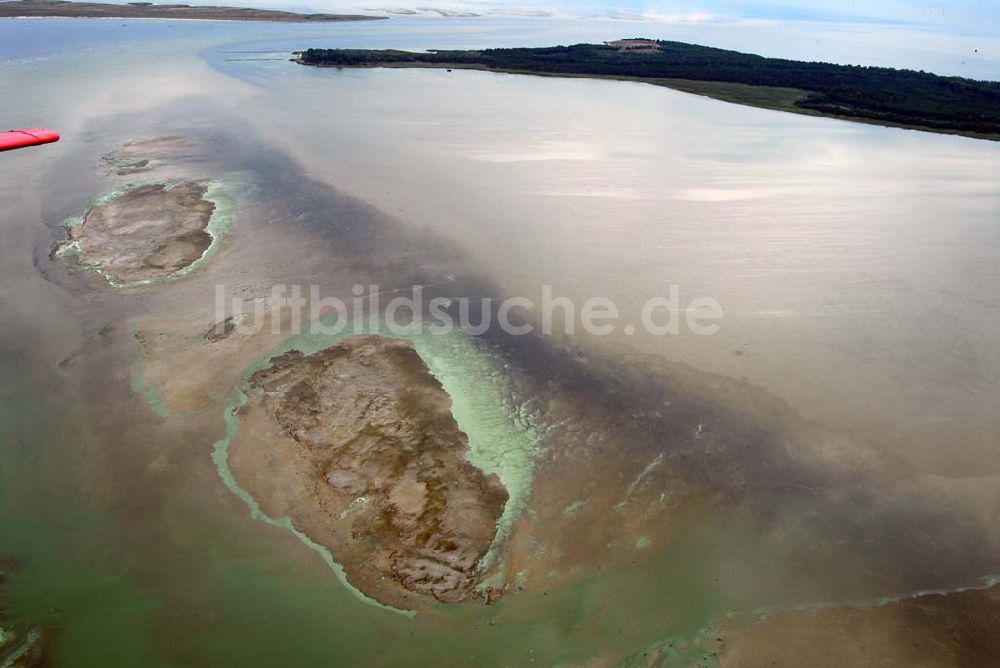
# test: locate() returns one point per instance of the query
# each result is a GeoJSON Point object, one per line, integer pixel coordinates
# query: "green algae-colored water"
{"type": "Point", "coordinates": [67, 573]}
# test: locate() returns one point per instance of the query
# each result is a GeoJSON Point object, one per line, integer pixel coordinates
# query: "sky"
{"type": "Point", "coordinates": [953, 16]}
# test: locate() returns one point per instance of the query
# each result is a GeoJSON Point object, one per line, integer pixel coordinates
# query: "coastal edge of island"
{"type": "Point", "coordinates": [873, 95]}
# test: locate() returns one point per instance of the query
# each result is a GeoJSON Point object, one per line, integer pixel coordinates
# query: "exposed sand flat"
{"type": "Point", "coordinates": [144, 155]}
{"type": "Point", "coordinates": [149, 232]}
{"type": "Point", "coordinates": [357, 445]}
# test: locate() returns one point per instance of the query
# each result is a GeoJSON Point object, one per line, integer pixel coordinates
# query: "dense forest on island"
{"type": "Point", "coordinates": [879, 94]}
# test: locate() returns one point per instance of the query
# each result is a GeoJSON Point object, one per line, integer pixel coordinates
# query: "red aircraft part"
{"type": "Point", "coordinates": [30, 137]}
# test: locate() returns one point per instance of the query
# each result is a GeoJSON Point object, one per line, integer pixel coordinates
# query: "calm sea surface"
{"type": "Point", "coordinates": [858, 268]}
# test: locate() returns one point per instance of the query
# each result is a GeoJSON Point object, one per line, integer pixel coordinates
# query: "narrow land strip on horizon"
{"type": "Point", "coordinates": [148, 10]}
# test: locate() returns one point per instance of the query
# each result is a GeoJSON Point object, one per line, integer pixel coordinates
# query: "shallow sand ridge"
{"type": "Point", "coordinates": [364, 454]}
{"type": "Point", "coordinates": [149, 232]}
{"type": "Point", "coordinates": [143, 155]}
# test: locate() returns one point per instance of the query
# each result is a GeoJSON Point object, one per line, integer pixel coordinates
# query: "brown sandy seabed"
{"type": "Point", "coordinates": [620, 476]}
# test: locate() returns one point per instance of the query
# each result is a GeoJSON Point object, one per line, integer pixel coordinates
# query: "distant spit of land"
{"type": "Point", "coordinates": [880, 95]}
{"type": "Point", "coordinates": [148, 10]}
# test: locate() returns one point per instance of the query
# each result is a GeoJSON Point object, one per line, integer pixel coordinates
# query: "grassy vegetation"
{"type": "Point", "coordinates": [769, 97]}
